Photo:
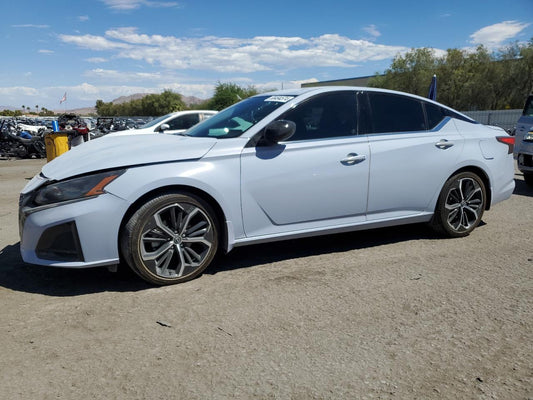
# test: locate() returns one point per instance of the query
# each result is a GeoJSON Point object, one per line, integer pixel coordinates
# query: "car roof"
{"type": "Point", "coordinates": [191, 112]}
{"type": "Point", "coordinates": [324, 89]}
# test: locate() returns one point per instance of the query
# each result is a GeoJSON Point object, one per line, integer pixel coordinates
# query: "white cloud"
{"type": "Point", "coordinates": [96, 60]}
{"type": "Point", "coordinates": [494, 35]}
{"type": "Point", "coordinates": [44, 51]}
{"type": "Point", "coordinates": [310, 80]}
{"type": "Point", "coordinates": [92, 42]}
{"type": "Point", "coordinates": [242, 55]}
{"type": "Point", "coordinates": [439, 53]}
{"type": "Point", "coordinates": [121, 76]}
{"type": "Point", "coordinates": [8, 92]}
{"type": "Point", "coordinates": [83, 18]}
{"type": "Point", "coordinates": [372, 30]}
{"type": "Point", "coordinates": [127, 5]}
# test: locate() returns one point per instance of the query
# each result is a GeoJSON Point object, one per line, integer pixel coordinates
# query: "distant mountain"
{"type": "Point", "coordinates": [188, 100]}
{"type": "Point", "coordinates": [80, 111]}
{"type": "Point", "coordinates": [131, 97]}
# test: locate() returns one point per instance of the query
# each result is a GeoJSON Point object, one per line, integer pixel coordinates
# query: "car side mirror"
{"type": "Point", "coordinates": [278, 131]}
{"type": "Point", "coordinates": [163, 127]}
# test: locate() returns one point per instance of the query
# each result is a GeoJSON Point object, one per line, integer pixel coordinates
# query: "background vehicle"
{"type": "Point", "coordinates": [15, 142]}
{"type": "Point", "coordinates": [523, 149]}
{"type": "Point", "coordinates": [275, 166]}
{"type": "Point", "coordinates": [173, 123]}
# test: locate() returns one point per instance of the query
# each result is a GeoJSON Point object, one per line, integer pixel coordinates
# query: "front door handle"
{"type": "Point", "coordinates": [353, 158]}
{"type": "Point", "coordinates": [443, 144]}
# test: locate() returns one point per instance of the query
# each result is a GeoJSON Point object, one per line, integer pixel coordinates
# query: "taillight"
{"type": "Point", "coordinates": [508, 140]}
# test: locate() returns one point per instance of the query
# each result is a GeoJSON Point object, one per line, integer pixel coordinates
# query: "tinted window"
{"type": "Point", "coordinates": [324, 116]}
{"type": "Point", "coordinates": [184, 121]}
{"type": "Point", "coordinates": [395, 113]}
{"type": "Point", "coordinates": [435, 114]}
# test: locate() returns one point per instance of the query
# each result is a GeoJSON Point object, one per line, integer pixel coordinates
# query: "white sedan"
{"type": "Point", "coordinates": [173, 123]}
{"type": "Point", "coordinates": [275, 166]}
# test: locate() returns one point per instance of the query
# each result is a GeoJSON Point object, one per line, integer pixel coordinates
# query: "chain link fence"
{"type": "Point", "coordinates": [505, 119]}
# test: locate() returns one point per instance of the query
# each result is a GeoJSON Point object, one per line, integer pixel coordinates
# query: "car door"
{"type": "Point", "coordinates": [182, 122]}
{"type": "Point", "coordinates": [409, 162]}
{"type": "Point", "coordinates": [316, 179]}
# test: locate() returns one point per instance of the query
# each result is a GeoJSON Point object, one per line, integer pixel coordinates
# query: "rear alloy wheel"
{"type": "Point", "coordinates": [460, 205]}
{"type": "Point", "coordinates": [170, 239]}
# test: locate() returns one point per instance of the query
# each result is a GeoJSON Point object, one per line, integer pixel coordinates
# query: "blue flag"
{"type": "Point", "coordinates": [433, 89]}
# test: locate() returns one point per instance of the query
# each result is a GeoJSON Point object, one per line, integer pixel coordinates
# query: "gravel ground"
{"type": "Point", "coordinates": [386, 314]}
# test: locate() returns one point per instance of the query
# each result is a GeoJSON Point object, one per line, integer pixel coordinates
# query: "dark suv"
{"type": "Point", "coordinates": [524, 141]}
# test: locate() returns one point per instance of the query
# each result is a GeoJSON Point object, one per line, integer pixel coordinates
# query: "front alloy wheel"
{"type": "Point", "coordinates": [460, 205]}
{"type": "Point", "coordinates": [170, 239]}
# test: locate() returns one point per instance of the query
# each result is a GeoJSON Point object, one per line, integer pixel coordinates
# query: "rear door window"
{"type": "Point", "coordinates": [393, 113]}
{"type": "Point", "coordinates": [435, 114]}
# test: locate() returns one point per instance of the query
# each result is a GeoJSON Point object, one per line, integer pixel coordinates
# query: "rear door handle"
{"type": "Point", "coordinates": [353, 158]}
{"type": "Point", "coordinates": [443, 144]}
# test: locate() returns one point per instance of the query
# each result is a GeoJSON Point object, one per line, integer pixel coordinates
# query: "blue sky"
{"type": "Point", "coordinates": [103, 49]}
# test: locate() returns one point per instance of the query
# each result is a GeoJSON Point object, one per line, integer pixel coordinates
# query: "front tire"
{"type": "Point", "coordinates": [170, 239]}
{"type": "Point", "coordinates": [460, 206]}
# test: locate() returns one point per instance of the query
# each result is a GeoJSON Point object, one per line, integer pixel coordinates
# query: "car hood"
{"type": "Point", "coordinates": [124, 151]}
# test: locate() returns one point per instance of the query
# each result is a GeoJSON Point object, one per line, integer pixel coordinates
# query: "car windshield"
{"type": "Point", "coordinates": [155, 121]}
{"type": "Point", "coordinates": [237, 119]}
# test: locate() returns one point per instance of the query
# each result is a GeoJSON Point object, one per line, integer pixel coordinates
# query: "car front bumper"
{"type": "Point", "coordinates": [524, 156]}
{"type": "Point", "coordinates": [79, 234]}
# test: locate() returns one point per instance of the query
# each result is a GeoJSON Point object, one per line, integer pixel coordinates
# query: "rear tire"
{"type": "Point", "coordinates": [170, 239]}
{"type": "Point", "coordinates": [460, 206]}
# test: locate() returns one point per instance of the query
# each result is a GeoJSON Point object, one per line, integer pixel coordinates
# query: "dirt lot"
{"type": "Point", "coordinates": [390, 313]}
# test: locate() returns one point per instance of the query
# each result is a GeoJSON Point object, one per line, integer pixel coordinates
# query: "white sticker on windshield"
{"type": "Point", "coordinates": [280, 99]}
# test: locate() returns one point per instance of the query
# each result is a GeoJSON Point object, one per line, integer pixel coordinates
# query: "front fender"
{"type": "Point", "coordinates": [221, 182]}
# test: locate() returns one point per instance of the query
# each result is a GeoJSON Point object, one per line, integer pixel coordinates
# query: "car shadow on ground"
{"type": "Point", "coordinates": [521, 187]}
{"type": "Point", "coordinates": [19, 276]}
{"type": "Point", "coordinates": [249, 256]}
{"type": "Point", "coordinates": [15, 274]}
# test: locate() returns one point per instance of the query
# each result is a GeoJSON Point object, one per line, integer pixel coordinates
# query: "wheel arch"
{"type": "Point", "coordinates": [219, 213]}
{"type": "Point", "coordinates": [483, 176]}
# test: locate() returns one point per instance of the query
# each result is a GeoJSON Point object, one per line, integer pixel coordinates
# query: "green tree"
{"type": "Point", "coordinates": [227, 94]}
{"type": "Point", "coordinates": [467, 80]}
{"type": "Point", "coordinates": [103, 109]}
{"type": "Point", "coordinates": [150, 105]}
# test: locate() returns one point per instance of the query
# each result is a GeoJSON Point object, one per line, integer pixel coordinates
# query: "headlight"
{"type": "Point", "coordinates": [75, 189]}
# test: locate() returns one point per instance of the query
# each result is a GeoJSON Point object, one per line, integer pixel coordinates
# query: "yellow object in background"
{"type": "Point", "coordinates": [56, 143]}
